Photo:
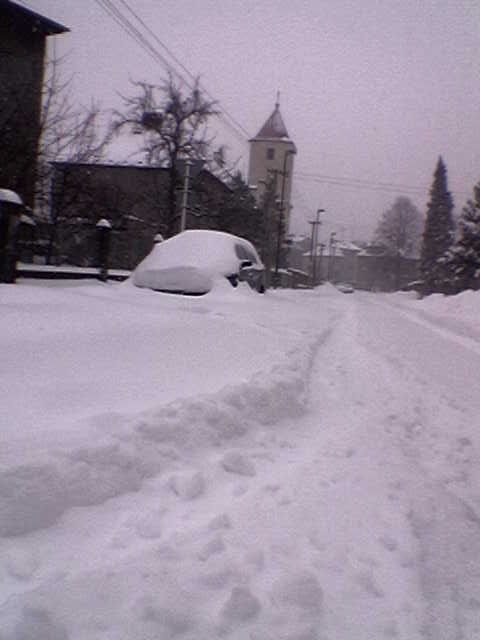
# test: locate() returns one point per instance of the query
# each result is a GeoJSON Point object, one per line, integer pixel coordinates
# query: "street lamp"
{"type": "Point", "coordinates": [289, 152]}
{"type": "Point", "coordinates": [314, 244]}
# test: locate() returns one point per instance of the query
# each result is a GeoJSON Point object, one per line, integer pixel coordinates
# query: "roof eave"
{"type": "Point", "coordinates": [273, 139]}
{"type": "Point", "coordinates": [47, 26]}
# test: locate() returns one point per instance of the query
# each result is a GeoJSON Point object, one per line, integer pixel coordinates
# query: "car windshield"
{"type": "Point", "coordinates": [244, 253]}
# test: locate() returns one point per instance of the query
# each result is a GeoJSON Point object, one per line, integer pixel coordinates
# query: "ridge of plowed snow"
{"type": "Point", "coordinates": [34, 495]}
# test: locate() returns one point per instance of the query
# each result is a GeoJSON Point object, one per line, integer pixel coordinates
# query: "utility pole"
{"type": "Point", "coordinates": [281, 216]}
{"type": "Point", "coordinates": [269, 202]}
{"type": "Point", "coordinates": [314, 243]}
{"type": "Point", "coordinates": [183, 219]}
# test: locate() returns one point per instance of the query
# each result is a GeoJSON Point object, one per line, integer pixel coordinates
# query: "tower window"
{"type": "Point", "coordinates": [270, 153]}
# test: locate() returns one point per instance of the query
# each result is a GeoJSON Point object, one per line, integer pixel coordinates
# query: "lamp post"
{"type": "Point", "coordinates": [268, 210]}
{"type": "Point", "coordinates": [314, 244]}
{"type": "Point", "coordinates": [104, 229]}
{"type": "Point", "coordinates": [289, 152]}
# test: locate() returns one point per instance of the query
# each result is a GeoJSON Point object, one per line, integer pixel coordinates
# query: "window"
{"type": "Point", "coordinates": [244, 253]}
{"type": "Point", "coordinates": [270, 153]}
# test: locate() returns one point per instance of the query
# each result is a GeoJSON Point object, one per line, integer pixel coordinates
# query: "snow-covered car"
{"type": "Point", "coordinates": [190, 262]}
{"type": "Point", "coordinates": [345, 287]}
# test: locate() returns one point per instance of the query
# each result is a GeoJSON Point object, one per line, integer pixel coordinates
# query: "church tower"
{"type": "Point", "coordinates": [271, 162]}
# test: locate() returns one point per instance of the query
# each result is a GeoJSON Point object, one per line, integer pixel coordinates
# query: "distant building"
{"type": "Point", "coordinates": [372, 268]}
{"type": "Point", "coordinates": [23, 36]}
{"type": "Point", "coordinates": [378, 270]}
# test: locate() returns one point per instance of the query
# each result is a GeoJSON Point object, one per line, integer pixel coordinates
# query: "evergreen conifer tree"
{"type": "Point", "coordinates": [464, 258]}
{"type": "Point", "coordinates": [438, 233]}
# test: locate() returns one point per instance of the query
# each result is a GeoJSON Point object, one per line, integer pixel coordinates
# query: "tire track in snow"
{"type": "Point", "coordinates": [378, 592]}
{"type": "Point", "coordinates": [430, 419]}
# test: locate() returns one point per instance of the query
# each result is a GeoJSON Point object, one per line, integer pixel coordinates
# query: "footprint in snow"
{"type": "Point", "coordinates": [218, 579]}
{"type": "Point", "coordinates": [150, 526]}
{"type": "Point", "coordinates": [241, 606]}
{"type": "Point", "coordinates": [220, 522]}
{"type": "Point", "coordinates": [188, 486]}
{"type": "Point", "coordinates": [213, 547]}
{"type": "Point", "coordinates": [235, 462]}
{"type": "Point", "coordinates": [272, 488]}
{"type": "Point", "coordinates": [388, 543]}
{"type": "Point", "coordinates": [240, 490]}
{"type": "Point", "coordinates": [300, 590]}
{"type": "Point", "coordinates": [21, 564]}
{"type": "Point", "coordinates": [167, 622]}
{"type": "Point", "coordinates": [255, 559]}
{"type": "Point", "coordinates": [37, 623]}
{"type": "Point", "coordinates": [366, 580]}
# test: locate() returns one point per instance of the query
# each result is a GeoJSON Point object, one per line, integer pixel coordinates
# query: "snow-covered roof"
{"type": "Point", "coordinates": [26, 219]}
{"type": "Point", "coordinates": [349, 246]}
{"type": "Point", "coordinates": [274, 127]}
{"type": "Point", "coordinates": [297, 238]}
{"type": "Point", "coordinates": [40, 23]}
{"type": "Point", "coordinates": [103, 224]}
{"type": "Point", "coordinates": [7, 195]}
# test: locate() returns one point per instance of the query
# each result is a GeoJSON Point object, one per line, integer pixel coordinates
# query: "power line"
{"type": "Point", "coordinates": [180, 64]}
{"type": "Point", "coordinates": [130, 29]}
{"type": "Point", "coordinates": [355, 183]}
{"type": "Point", "coordinates": [116, 14]}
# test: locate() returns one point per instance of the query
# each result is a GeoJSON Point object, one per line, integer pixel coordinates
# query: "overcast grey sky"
{"type": "Point", "coordinates": [371, 90]}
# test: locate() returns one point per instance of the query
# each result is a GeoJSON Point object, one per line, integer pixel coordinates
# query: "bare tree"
{"type": "Point", "coordinates": [68, 133]}
{"type": "Point", "coordinates": [400, 228]}
{"type": "Point", "coordinates": [173, 123]}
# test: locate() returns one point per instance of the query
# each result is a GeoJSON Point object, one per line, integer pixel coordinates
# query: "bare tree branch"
{"type": "Point", "coordinates": [173, 125]}
{"type": "Point", "coordinates": [400, 228]}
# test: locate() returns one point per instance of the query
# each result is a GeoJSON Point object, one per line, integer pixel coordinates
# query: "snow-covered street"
{"type": "Point", "coordinates": [302, 465]}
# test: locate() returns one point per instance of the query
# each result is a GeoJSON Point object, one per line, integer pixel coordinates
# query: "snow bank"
{"type": "Point", "coordinates": [35, 495]}
{"type": "Point", "coordinates": [464, 306]}
{"type": "Point", "coordinates": [458, 314]}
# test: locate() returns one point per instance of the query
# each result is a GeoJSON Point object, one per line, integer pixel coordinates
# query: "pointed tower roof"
{"type": "Point", "coordinates": [274, 127]}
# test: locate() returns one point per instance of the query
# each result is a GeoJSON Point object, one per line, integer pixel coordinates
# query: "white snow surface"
{"type": "Point", "coordinates": [302, 465]}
